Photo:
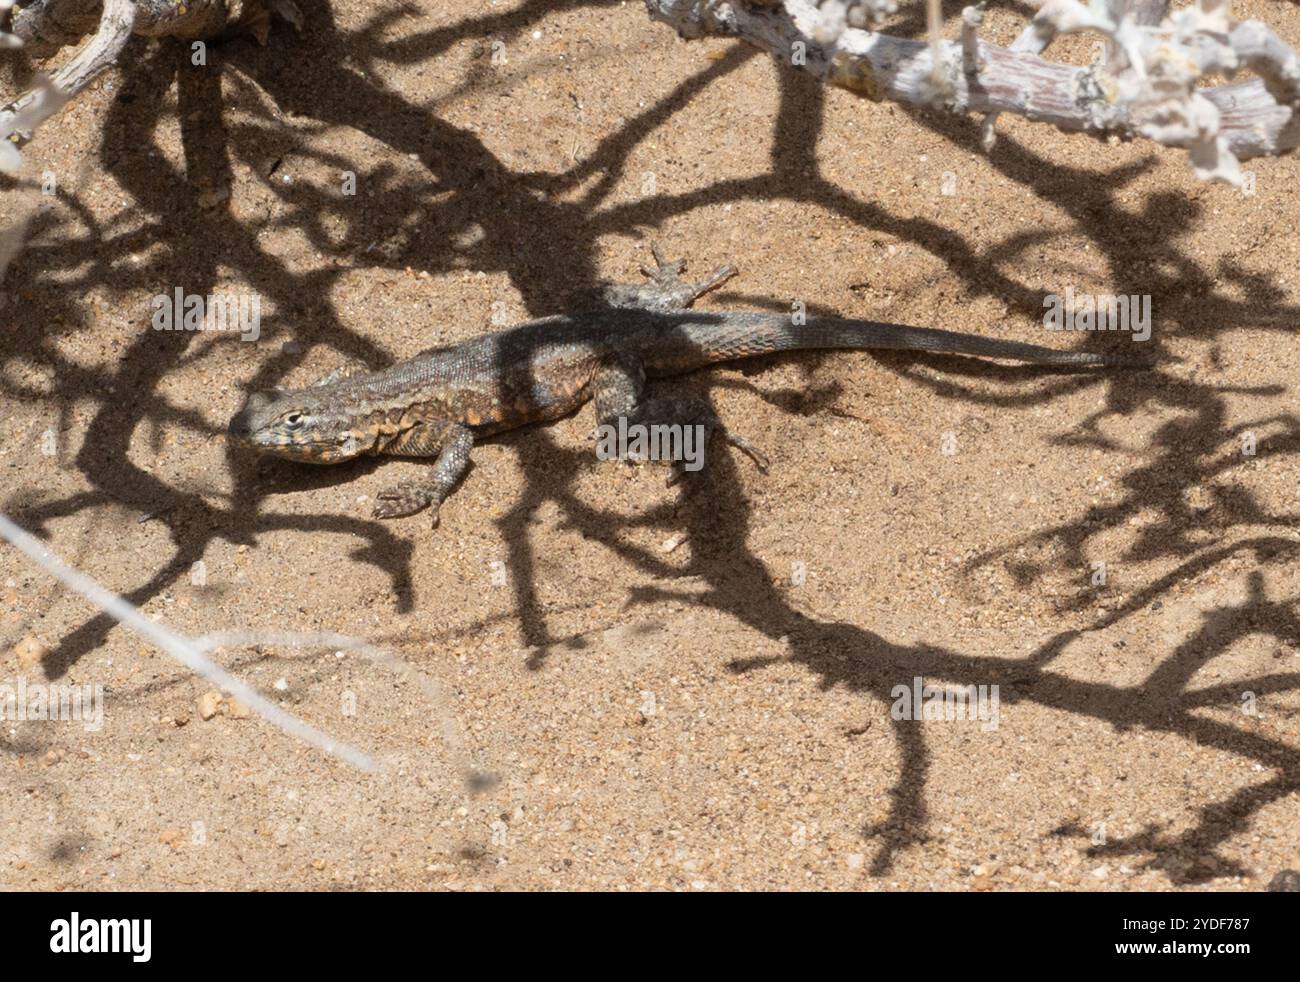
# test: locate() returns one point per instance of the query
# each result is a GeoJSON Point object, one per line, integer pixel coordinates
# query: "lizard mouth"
{"type": "Point", "coordinates": [247, 425]}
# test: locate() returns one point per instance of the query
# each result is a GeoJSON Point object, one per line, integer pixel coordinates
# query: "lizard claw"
{"type": "Point", "coordinates": [667, 268]}
{"type": "Point", "coordinates": [754, 454]}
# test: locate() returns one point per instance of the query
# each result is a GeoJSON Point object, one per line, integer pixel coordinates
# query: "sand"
{"type": "Point", "coordinates": [678, 691]}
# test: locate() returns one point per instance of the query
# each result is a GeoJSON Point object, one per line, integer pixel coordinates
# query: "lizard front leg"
{"type": "Point", "coordinates": [451, 442]}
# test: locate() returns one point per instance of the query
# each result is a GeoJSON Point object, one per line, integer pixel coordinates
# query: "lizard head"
{"type": "Point", "coordinates": [297, 425]}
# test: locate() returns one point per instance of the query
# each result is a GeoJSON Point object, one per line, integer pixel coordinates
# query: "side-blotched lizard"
{"type": "Point", "coordinates": [438, 403]}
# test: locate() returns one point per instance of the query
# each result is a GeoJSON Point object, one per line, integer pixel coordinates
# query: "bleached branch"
{"type": "Point", "coordinates": [46, 25]}
{"type": "Point", "coordinates": [1151, 90]}
{"type": "Point", "coordinates": [23, 115]}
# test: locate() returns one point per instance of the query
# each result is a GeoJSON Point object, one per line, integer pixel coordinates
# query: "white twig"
{"type": "Point", "coordinates": [179, 647]}
{"type": "Point", "coordinates": [19, 120]}
{"type": "Point", "coordinates": [475, 777]}
{"type": "Point", "coordinates": [939, 87]}
{"type": "Point", "coordinates": [21, 117]}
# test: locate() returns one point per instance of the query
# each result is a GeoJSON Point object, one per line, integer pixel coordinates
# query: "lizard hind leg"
{"type": "Point", "coordinates": [666, 290]}
{"type": "Point", "coordinates": [691, 423]}
{"type": "Point", "coordinates": [617, 393]}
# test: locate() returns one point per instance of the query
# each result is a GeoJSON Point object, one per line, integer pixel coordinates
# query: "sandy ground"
{"type": "Point", "coordinates": [710, 716]}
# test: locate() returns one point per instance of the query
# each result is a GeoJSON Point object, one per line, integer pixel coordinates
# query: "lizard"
{"type": "Point", "coordinates": [440, 402]}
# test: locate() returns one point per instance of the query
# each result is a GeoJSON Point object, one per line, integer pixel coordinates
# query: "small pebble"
{"type": "Point", "coordinates": [29, 652]}
{"type": "Point", "coordinates": [208, 704]}
{"type": "Point", "coordinates": [468, 238]}
{"type": "Point", "coordinates": [673, 541]}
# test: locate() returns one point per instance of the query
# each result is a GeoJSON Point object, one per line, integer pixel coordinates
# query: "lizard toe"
{"type": "Point", "coordinates": [754, 454]}
{"type": "Point", "coordinates": [389, 509]}
{"type": "Point", "coordinates": [400, 501]}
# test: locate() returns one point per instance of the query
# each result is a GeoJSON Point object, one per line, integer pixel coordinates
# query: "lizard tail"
{"type": "Point", "coordinates": [702, 338]}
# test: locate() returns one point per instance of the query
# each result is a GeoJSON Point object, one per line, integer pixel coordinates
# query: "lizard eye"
{"type": "Point", "coordinates": [293, 420]}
